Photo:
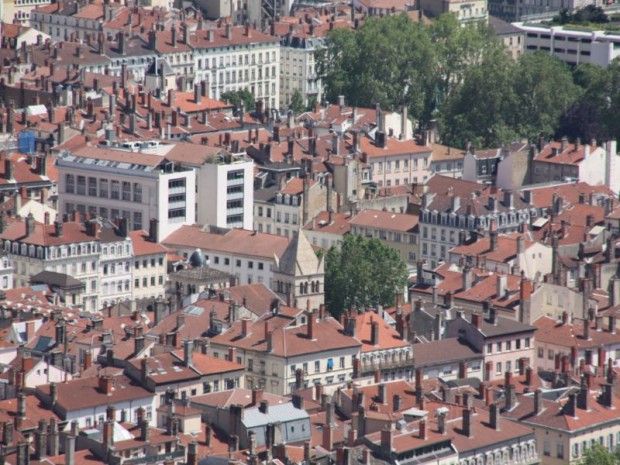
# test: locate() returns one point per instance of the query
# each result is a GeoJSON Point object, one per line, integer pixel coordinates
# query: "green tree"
{"type": "Point", "coordinates": [482, 115]}
{"type": "Point", "coordinates": [388, 61]}
{"type": "Point", "coordinates": [297, 102]}
{"type": "Point", "coordinates": [237, 96]}
{"type": "Point", "coordinates": [364, 271]}
{"type": "Point", "coordinates": [544, 91]}
{"type": "Point", "coordinates": [598, 455]}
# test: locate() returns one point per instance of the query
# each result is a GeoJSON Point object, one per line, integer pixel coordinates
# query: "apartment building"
{"type": "Point", "coordinates": [568, 421]}
{"type": "Point", "coordinates": [508, 254]}
{"type": "Point", "coordinates": [396, 162]}
{"type": "Point", "coordinates": [447, 161]}
{"type": "Point", "coordinates": [575, 341]}
{"type": "Point", "coordinates": [68, 248]}
{"type": "Point", "coordinates": [298, 66]}
{"type": "Point", "coordinates": [595, 165]}
{"type": "Point", "coordinates": [504, 342]}
{"type": "Point", "coordinates": [150, 264]}
{"type": "Point", "coordinates": [466, 11]}
{"type": "Point", "coordinates": [453, 209]}
{"type": "Point", "coordinates": [226, 191]}
{"type": "Point", "coordinates": [283, 209]}
{"type": "Point", "coordinates": [174, 46]}
{"type": "Point", "coordinates": [184, 374]}
{"type": "Point", "coordinates": [289, 348]}
{"type": "Point", "coordinates": [398, 230]}
{"type": "Point", "coordinates": [22, 11]}
{"type": "Point", "coordinates": [234, 58]}
{"type": "Point", "coordinates": [114, 183]}
{"type": "Point", "coordinates": [86, 400]}
{"type": "Point", "coordinates": [115, 263]}
{"type": "Point", "coordinates": [383, 351]}
{"type": "Point", "coordinates": [62, 20]}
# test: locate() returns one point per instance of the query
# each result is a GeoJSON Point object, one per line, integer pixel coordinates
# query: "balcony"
{"type": "Point", "coordinates": [234, 182]}
{"type": "Point", "coordinates": [234, 196]}
{"type": "Point", "coordinates": [371, 367]}
{"type": "Point", "coordinates": [158, 458]}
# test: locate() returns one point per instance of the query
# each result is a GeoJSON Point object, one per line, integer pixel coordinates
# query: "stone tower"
{"type": "Point", "coordinates": [299, 275]}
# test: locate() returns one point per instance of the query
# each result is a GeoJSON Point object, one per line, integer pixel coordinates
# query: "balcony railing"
{"type": "Point", "coordinates": [158, 458]}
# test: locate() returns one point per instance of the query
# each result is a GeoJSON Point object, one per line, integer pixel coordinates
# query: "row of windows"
{"type": "Point", "coordinates": [379, 166]}
{"type": "Point", "coordinates": [154, 281]}
{"type": "Point", "coordinates": [105, 213]}
{"type": "Point", "coordinates": [507, 346]}
{"type": "Point", "coordinates": [319, 365]}
{"type": "Point", "coordinates": [231, 59]}
{"type": "Point", "coordinates": [103, 188]}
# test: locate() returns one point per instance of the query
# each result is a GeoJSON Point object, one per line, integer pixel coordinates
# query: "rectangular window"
{"type": "Point", "coordinates": [69, 184]}
{"type": "Point", "coordinates": [550, 354]}
{"type": "Point", "coordinates": [498, 368]}
{"type": "Point", "coordinates": [127, 191]}
{"type": "Point", "coordinates": [81, 185]}
{"type": "Point", "coordinates": [137, 220]}
{"type": "Point", "coordinates": [92, 187]}
{"type": "Point", "coordinates": [115, 192]}
{"type": "Point", "coordinates": [137, 192]}
{"type": "Point", "coordinates": [546, 448]}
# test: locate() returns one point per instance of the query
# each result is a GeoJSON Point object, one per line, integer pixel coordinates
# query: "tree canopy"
{"type": "Point", "coordinates": [297, 102]}
{"type": "Point", "coordinates": [363, 272]}
{"type": "Point", "coordinates": [598, 455]}
{"type": "Point", "coordinates": [237, 96]}
{"type": "Point", "coordinates": [462, 77]}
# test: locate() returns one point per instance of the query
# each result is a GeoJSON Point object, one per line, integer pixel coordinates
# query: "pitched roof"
{"type": "Point", "coordinates": [299, 258]}
{"type": "Point", "coordinates": [443, 351]}
{"type": "Point", "coordinates": [287, 340]}
{"type": "Point", "coordinates": [388, 337]}
{"type": "Point", "coordinates": [236, 241]}
{"type": "Point", "coordinates": [82, 393]}
{"type": "Point", "coordinates": [385, 220]}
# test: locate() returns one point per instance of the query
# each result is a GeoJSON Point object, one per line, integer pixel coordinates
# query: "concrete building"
{"type": "Point", "coordinates": [226, 191]}
{"type": "Point", "coordinates": [572, 46]}
{"type": "Point", "coordinates": [124, 183]}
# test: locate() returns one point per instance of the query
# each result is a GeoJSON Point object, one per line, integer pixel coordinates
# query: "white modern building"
{"type": "Point", "coordinates": [237, 58]}
{"type": "Point", "coordinates": [226, 191]}
{"type": "Point", "coordinates": [133, 182]}
{"type": "Point", "coordinates": [572, 46]}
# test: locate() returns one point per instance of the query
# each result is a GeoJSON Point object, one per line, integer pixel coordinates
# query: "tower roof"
{"type": "Point", "coordinates": [299, 258]}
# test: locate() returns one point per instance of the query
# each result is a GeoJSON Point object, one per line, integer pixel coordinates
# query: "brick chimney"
{"type": "Point", "coordinates": [105, 384]}
{"type": "Point", "coordinates": [467, 426]}
{"type": "Point", "coordinates": [310, 327]}
{"type": "Point", "coordinates": [494, 417]}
